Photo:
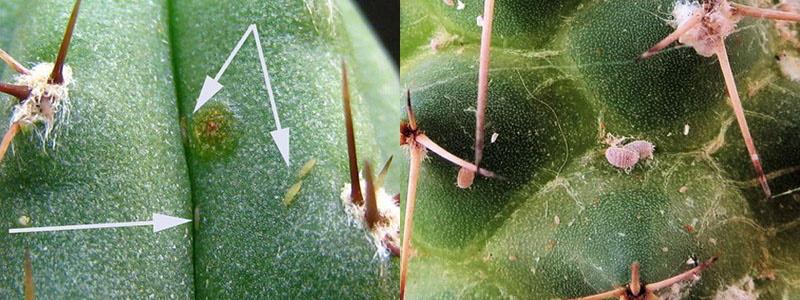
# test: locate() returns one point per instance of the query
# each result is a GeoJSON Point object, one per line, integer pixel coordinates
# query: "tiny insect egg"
{"type": "Point", "coordinates": [643, 148]}
{"type": "Point", "coordinates": [621, 158]}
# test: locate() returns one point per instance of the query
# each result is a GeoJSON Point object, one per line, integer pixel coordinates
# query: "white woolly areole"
{"type": "Point", "coordinates": [745, 289]}
{"type": "Point", "coordinates": [717, 24]}
{"type": "Point", "coordinates": [30, 111]}
{"type": "Point", "coordinates": [790, 66]}
{"type": "Point", "coordinates": [387, 229]}
{"type": "Point", "coordinates": [683, 11]}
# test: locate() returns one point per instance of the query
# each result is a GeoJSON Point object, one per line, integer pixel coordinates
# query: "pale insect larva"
{"type": "Point", "coordinates": [306, 168]}
{"type": "Point", "coordinates": [291, 193]}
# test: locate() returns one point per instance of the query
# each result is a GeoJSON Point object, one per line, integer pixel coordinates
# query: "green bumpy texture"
{"type": "Point", "coordinates": [133, 147]}
{"type": "Point", "coordinates": [563, 222]}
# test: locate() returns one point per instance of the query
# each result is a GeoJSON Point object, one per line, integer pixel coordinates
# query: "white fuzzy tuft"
{"type": "Point", "coordinates": [29, 111]}
{"type": "Point", "coordinates": [683, 11]}
{"type": "Point", "coordinates": [389, 213]}
{"type": "Point", "coordinates": [743, 290]}
{"type": "Point", "coordinates": [718, 22]}
{"type": "Point", "coordinates": [790, 66]}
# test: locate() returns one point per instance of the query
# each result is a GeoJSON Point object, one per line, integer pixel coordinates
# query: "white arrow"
{"type": "Point", "coordinates": [211, 86]}
{"type": "Point", "coordinates": [159, 223]}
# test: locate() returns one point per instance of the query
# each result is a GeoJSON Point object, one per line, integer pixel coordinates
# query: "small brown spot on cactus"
{"type": "Point", "coordinates": [29, 286]}
{"type": "Point", "coordinates": [196, 218]}
{"type": "Point", "coordinates": [213, 131]}
{"type": "Point", "coordinates": [689, 228]}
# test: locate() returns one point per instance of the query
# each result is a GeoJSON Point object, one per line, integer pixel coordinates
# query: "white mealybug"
{"type": "Point", "coordinates": [626, 155]}
{"type": "Point", "coordinates": [643, 148]}
{"type": "Point", "coordinates": [622, 158]}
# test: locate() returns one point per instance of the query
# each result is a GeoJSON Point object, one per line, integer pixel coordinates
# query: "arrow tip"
{"type": "Point", "coordinates": [281, 137]}
{"type": "Point", "coordinates": [210, 88]}
{"type": "Point", "coordinates": [162, 222]}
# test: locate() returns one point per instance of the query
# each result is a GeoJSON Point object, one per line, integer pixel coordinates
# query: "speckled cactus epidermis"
{"type": "Point", "coordinates": [563, 222]}
{"type": "Point", "coordinates": [132, 146]}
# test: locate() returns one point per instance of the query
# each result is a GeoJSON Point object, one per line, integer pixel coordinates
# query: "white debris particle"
{"type": "Point", "coordinates": [713, 241]}
{"type": "Point", "coordinates": [24, 220]}
{"type": "Point", "coordinates": [744, 289]}
{"type": "Point", "coordinates": [460, 5]}
{"type": "Point", "coordinates": [665, 249]}
{"type": "Point", "coordinates": [790, 66]}
{"type": "Point", "coordinates": [683, 189]}
{"type": "Point", "coordinates": [479, 21]}
{"type": "Point", "coordinates": [622, 234]}
{"type": "Point", "coordinates": [494, 137]}
{"type": "Point", "coordinates": [683, 11]}
{"type": "Point", "coordinates": [686, 129]}
{"type": "Point", "coordinates": [557, 220]}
